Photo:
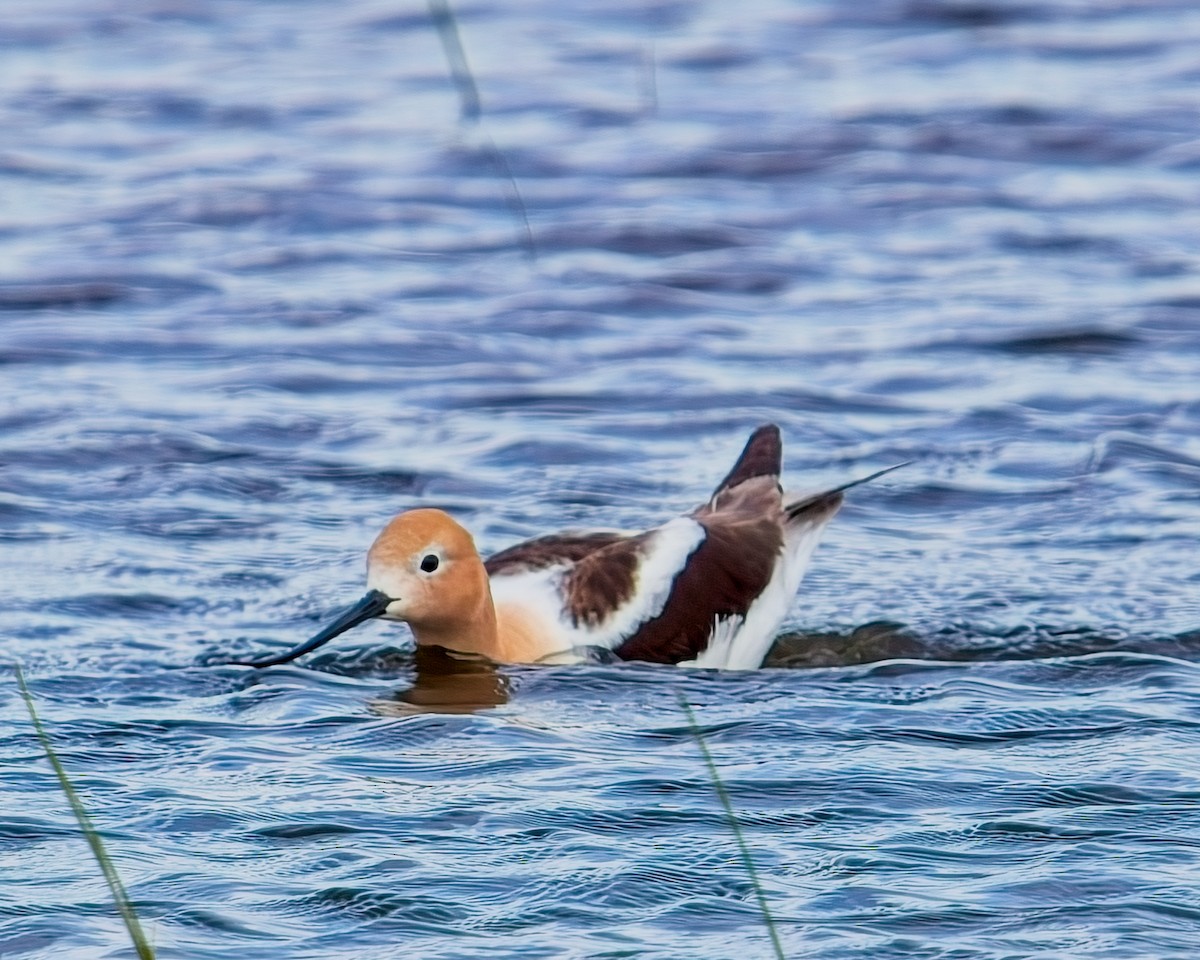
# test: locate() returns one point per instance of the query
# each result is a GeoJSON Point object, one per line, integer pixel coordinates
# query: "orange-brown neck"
{"type": "Point", "coordinates": [505, 634]}
{"type": "Point", "coordinates": [523, 637]}
{"type": "Point", "coordinates": [468, 625]}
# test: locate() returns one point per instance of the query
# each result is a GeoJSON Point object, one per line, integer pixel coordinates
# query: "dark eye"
{"type": "Point", "coordinates": [429, 563]}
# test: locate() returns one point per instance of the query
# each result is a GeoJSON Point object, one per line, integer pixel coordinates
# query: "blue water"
{"type": "Point", "coordinates": [260, 289]}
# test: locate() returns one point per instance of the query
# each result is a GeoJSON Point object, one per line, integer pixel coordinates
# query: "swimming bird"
{"type": "Point", "coordinates": [707, 589]}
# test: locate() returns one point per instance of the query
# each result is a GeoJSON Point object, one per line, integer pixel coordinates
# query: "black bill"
{"type": "Point", "coordinates": [372, 605]}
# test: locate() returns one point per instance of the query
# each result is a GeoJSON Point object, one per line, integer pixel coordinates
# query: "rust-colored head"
{"type": "Point", "coordinates": [429, 567]}
{"type": "Point", "coordinates": [423, 569]}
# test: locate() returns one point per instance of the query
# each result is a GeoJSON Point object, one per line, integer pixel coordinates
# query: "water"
{"type": "Point", "coordinates": [260, 289]}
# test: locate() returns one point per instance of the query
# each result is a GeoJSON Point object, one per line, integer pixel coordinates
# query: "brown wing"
{"type": "Point", "coordinates": [551, 551]}
{"type": "Point", "coordinates": [603, 581]}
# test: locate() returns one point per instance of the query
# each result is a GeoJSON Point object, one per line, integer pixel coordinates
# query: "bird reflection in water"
{"type": "Point", "coordinates": [447, 683]}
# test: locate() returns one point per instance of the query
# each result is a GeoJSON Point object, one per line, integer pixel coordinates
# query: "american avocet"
{"type": "Point", "coordinates": [708, 589]}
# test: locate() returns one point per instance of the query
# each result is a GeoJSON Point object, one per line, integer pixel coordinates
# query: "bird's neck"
{"type": "Point", "coordinates": [508, 634]}
{"type": "Point", "coordinates": [470, 628]}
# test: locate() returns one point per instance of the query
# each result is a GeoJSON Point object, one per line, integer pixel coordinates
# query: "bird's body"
{"type": "Point", "coordinates": [708, 589]}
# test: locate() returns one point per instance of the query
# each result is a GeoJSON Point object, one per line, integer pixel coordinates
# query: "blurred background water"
{"type": "Point", "coordinates": [260, 289]}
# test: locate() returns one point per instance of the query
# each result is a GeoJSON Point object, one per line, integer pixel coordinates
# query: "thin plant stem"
{"type": "Point", "coordinates": [124, 905]}
{"type": "Point", "coordinates": [516, 203]}
{"type": "Point", "coordinates": [734, 826]}
{"type": "Point", "coordinates": [470, 111]}
{"type": "Point", "coordinates": [469, 105]}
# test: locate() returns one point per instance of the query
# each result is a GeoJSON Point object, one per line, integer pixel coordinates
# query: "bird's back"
{"type": "Point", "coordinates": [709, 588]}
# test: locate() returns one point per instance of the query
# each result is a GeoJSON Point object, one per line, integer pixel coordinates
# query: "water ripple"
{"type": "Point", "coordinates": [261, 291]}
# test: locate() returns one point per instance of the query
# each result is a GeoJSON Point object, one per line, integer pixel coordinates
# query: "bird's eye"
{"type": "Point", "coordinates": [429, 563]}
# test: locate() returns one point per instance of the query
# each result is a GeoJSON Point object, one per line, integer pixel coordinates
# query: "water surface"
{"type": "Point", "coordinates": [260, 289]}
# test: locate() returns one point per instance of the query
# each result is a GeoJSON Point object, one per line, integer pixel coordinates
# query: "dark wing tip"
{"type": "Point", "coordinates": [833, 497]}
{"type": "Point", "coordinates": [762, 457]}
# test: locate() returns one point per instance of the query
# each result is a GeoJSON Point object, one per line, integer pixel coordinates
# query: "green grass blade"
{"type": "Point", "coordinates": [734, 826]}
{"type": "Point", "coordinates": [469, 105]}
{"type": "Point", "coordinates": [124, 906]}
{"type": "Point", "coordinates": [470, 110]}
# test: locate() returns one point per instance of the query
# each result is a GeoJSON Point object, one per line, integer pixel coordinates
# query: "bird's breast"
{"type": "Point", "coordinates": [526, 634]}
